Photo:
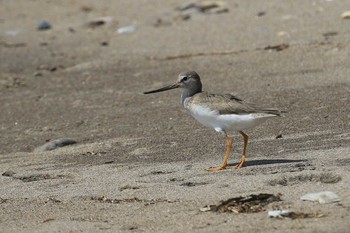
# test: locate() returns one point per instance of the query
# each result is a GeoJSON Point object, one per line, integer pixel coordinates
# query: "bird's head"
{"type": "Point", "coordinates": [188, 80]}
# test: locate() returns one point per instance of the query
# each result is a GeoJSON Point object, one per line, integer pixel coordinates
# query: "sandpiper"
{"type": "Point", "coordinates": [222, 112]}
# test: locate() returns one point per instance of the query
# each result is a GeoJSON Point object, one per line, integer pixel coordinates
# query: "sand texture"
{"type": "Point", "coordinates": [139, 162]}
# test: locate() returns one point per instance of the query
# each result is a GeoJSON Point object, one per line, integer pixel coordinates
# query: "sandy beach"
{"type": "Point", "coordinates": [78, 69]}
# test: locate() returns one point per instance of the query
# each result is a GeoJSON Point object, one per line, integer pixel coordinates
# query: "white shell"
{"type": "Point", "coordinates": [322, 197]}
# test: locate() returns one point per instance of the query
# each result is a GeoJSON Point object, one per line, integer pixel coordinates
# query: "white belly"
{"type": "Point", "coordinates": [226, 122]}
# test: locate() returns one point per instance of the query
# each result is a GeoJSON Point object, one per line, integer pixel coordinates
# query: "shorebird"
{"type": "Point", "coordinates": [222, 112]}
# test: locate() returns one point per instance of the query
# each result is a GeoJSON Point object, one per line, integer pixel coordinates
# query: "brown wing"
{"type": "Point", "coordinates": [229, 104]}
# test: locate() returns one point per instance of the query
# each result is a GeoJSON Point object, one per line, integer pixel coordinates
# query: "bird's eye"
{"type": "Point", "coordinates": [184, 79]}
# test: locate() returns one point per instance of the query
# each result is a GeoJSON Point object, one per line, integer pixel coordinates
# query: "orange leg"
{"type": "Point", "coordinates": [228, 149]}
{"type": "Point", "coordinates": [242, 162]}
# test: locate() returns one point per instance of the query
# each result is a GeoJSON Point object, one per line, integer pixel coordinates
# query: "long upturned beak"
{"type": "Point", "coordinates": [169, 87]}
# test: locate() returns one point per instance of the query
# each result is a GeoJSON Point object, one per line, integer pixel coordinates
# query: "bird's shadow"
{"type": "Point", "coordinates": [269, 161]}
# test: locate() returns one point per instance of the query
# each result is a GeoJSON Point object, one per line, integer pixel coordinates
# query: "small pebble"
{"type": "Point", "coordinates": [9, 173]}
{"type": "Point", "coordinates": [100, 21]}
{"type": "Point", "coordinates": [86, 9]}
{"type": "Point", "coordinates": [261, 13]}
{"type": "Point", "coordinates": [55, 144]}
{"type": "Point", "coordinates": [126, 29]}
{"type": "Point", "coordinates": [53, 69]}
{"type": "Point", "coordinates": [205, 208]}
{"type": "Point", "coordinates": [346, 15]}
{"type": "Point", "coordinates": [282, 33]}
{"type": "Point", "coordinates": [38, 74]}
{"type": "Point", "coordinates": [44, 25]}
{"type": "Point", "coordinates": [71, 30]}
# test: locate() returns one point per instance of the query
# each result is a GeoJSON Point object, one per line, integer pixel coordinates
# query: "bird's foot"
{"type": "Point", "coordinates": [240, 165]}
{"type": "Point", "coordinates": [214, 169]}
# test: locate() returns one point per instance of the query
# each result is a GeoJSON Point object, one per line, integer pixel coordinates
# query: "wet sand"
{"type": "Point", "coordinates": [139, 164]}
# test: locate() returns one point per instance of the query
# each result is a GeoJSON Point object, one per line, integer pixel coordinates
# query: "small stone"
{"type": "Point", "coordinates": [9, 173]}
{"type": "Point", "coordinates": [282, 33]}
{"type": "Point", "coordinates": [100, 21]}
{"type": "Point", "coordinates": [86, 9]}
{"type": "Point", "coordinates": [53, 69]}
{"type": "Point", "coordinates": [205, 208]}
{"type": "Point", "coordinates": [44, 25]}
{"type": "Point", "coordinates": [185, 17]}
{"type": "Point", "coordinates": [55, 144]}
{"type": "Point", "coordinates": [261, 13]}
{"type": "Point", "coordinates": [71, 30]}
{"type": "Point", "coordinates": [126, 29]}
{"type": "Point", "coordinates": [346, 15]}
{"type": "Point", "coordinates": [38, 74]}
{"type": "Point", "coordinates": [324, 197]}
{"type": "Point", "coordinates": [109, 162]}
{"type": "Point", "coordinates": [42, 67]}
{"type": "Point", "coordinates": [161, 22]}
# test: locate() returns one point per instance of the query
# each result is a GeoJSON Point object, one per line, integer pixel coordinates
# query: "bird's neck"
{"type": "Point", "coordinates": [189, 93]}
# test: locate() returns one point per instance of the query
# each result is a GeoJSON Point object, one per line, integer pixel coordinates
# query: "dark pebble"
{"type": "Point", "coordinates": [261, 13]}
{"type": "Point", "coordinates": [9, 173]}
{"type": "Point", "coordinates": [53, 69]}
{"type": "Point", "coordinates": [44, 25]}
{"type": "Point", "coordinates": [279, 136]}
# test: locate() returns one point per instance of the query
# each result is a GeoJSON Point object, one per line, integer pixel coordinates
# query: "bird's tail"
{"type": "Point", "coordinates": [273, 111]}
